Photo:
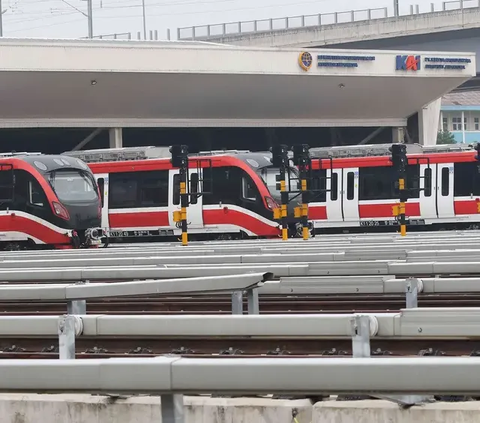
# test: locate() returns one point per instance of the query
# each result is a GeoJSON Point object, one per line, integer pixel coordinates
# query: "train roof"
{"type": "Point", "coordinates": [47, 162]}
{"type": "Point", "coordinates": [256, 160]}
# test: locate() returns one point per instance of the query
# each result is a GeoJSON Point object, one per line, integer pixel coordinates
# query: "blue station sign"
{"type": "Point", "coordinates": [334, 61]}
{"type": "Point", "coordinates": [446, 62]}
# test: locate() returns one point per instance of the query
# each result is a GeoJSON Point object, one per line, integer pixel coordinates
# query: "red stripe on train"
{"type": "Point", "coordinates": [138, 219]}
{"type": "Point", "coordinates": [385, 210]}
{"type": "Point", "coordinates": [223, 216]}
{"type": "Point", "coordinates": [15, 223]}
{"type": "Point", "coordinates": [227, 216]}
{"type": "Point", "coordinates": [465, 207]}
{"type": "Point", "coordinates": [317, 213]}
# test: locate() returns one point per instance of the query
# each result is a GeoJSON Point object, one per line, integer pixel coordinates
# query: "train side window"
{"type": "Point", "coordinates": [413, 180]}
{"type": "Point", "coordinates": [123, 190]}
{"type": "Point", "coordinates": [176, 189]}
{"type": "Point", "coordinates": [223, 184]}
{"type": "Point", "coordinates": [319, 184]}
{"type": "Point", "coordinates": [194, 180]}
{"type": "Point", "coordinates": [467, 180]}
{"type": "Point", "coordinates": [350, 181]}
{"type": "Point", "coordinates": [248, 189]}
{"type": "Point", "coordinates": [376, 183]}
{"type": "Point", "coordinates": [334, 187]}
{"type": "Point", "coordinates": [101, 187]}
{"type": "Point", "coordinates": [36, 196]}
{"type": "Point", "coordinates": [427, 175]}
{"type": "Point", "coordinates": [153, 188]}
{"type": "Point", "coordinates": [7, 183]}
{"type": "Point", "coordinates": [445, 181]}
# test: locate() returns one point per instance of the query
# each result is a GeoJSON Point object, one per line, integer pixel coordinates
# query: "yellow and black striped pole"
{"type": "Point", "coordinates": [305, 231]}
{"type": "Point", "coordinates": [180, 160]}
{"type": "Point", "coordinates": [400, 162]}
{"type": "Point", "coordinates": [401, 209]}
{"type": "Point", "coordinates": [301, 158]}
{"type": "Point", "coordinates": [184, 205]}
{"type": "Point", "coordinates": [284, 205]}
{"type": "Point", "coordinates": [280, 160]}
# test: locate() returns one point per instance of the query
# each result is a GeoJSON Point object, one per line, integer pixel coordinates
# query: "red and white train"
{"type": "Point", "coordinates": [355, 191]}
{"type": "Point", "coordinates": [47, 201]}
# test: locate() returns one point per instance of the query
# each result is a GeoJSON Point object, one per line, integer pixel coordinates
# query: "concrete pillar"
{"type": "Point", "coordinates": [428, 120]}
{"type": "Point", "coordinates": [397, 134]}
{"type": "Point", "coordinates": [116, 138]}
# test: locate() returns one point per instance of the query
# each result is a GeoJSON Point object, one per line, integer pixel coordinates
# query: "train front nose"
{"type": "Point", "coordinates": [86, 223]}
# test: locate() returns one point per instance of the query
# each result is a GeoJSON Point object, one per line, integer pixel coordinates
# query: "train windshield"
{"type": "Point", "coordinates": [73, 185]}
{"type": "Point", "coordinates": [269, 174]}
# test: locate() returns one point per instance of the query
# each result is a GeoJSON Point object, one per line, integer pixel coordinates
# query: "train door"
{"type": "Point", "coordinates": [350, 194]}
{"type": "Point", "coordinates": [428, 191]}
{"type": "Point", "coordinates": [195, 208]}
{"type": "Point", "coordinates": [445, 205]}
{"type": "Point", "coordinates": [102, 181]}
{"type": "Point", "coordinates": [334, 196]}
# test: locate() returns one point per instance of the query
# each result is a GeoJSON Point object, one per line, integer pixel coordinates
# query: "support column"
{"type": "Point", "coordinates": [116, 137]}
{"type": "Point", "coordinates": [398, 135]}
{"type": "Point", "coordinates": [428, 120]}
{"type": "Point", "coordinates": [172, 408]}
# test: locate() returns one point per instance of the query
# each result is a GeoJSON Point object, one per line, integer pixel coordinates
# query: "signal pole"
{"type": "Point", "coordinates": [144, 21]}
{"type": "Point", "coordinates": [301, 158]}
{"type": "Point", "coordinates": [399, 162]}
{"type": "Point", "coordinates": [396, 8]}
{"type": "Point", "coordinates": [90, 19]}
{"type": "Point", "coordinates": [180, 160]}
{"type": "Point", "coordinates": [280, 160]}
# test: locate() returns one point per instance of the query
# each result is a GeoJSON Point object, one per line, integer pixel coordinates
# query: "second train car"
{"type": "Point", "coordinates": [355, 191]}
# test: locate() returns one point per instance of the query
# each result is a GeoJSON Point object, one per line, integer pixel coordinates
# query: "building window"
{"type": "Point", "coordinates": [445, 124]}
{"type": "Point", "coordinates": [456, 123]}
{"type": "Point", "coordinates": [464, 123]}
{"type": "Point", "coordinates": [476, 122]}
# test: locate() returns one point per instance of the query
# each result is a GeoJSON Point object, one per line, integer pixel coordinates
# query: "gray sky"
{"type": "Point", "coordinates": [59, 19]}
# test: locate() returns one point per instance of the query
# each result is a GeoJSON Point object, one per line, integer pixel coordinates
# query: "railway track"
{"type": "Point", "coordinates": [222, 304]}
{"type": "Point", "coordinates": [241, 347]}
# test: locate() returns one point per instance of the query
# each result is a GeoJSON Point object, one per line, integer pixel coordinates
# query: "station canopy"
{"type": "Point", "coordinates": [114, 83]}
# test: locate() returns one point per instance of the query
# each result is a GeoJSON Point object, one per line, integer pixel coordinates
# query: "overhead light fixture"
{"type": "Point", "coordinates": [341, 85]}
{"type": "Point", "coordinates": [93, 82]}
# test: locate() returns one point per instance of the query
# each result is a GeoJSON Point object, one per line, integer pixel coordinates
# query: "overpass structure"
{"type": "Point", "coordinates": [116, 84]}
{"type": "Point", "coordinates": [456, 27]}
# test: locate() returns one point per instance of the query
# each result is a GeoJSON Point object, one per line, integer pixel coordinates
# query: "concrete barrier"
{"type": "Point", "coordinates": [31, 408]}
{"type": "Point", "coordinates": [75, 408]}
{"type": "Point", "coordinates": [377, 411]}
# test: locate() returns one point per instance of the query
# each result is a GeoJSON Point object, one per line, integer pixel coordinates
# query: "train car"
{"type": "Point", "coordinates": [360, 188]}
{"type": "Point", "coordinates": [354, 191]}
{"type": "Point", "coordinates": [47, 201]}
{"type": "Point", "coordinates": [140, 192]}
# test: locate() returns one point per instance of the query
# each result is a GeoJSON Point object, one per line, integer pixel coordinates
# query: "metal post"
{"type": "Point", "coordinates": [360, 336]}
{"type": "Point", "coordinates": [396, 8]}
{"type": "Point", "coordinates": [237, 302]}
{"type": "Point", "coordinates": [1, 19]}
{"type": "Point", "coordinates": [66, 337]}
{"type": "Point", "coordinates": [77, 307]}
{"type": "Point", "coordinates": [90, 19]}
{"type": "Point", "coordinates": [172, 408]}
{"type": "Point", "coordinates": [253, 302]}
{"type": "Point", "coordinates": [411, 292]}
{"type": "Point", "coordinates": [144, 21]}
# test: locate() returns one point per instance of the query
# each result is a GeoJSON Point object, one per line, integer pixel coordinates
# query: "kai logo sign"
{"type": "Point", "coordinates": [408, 63]}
